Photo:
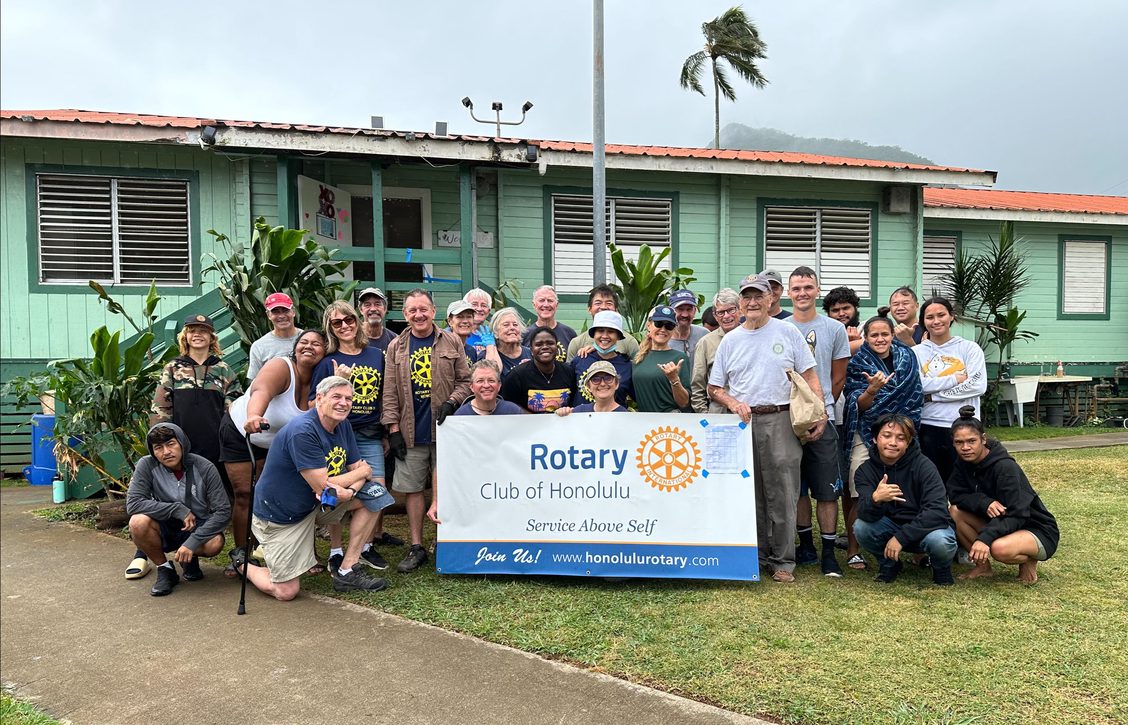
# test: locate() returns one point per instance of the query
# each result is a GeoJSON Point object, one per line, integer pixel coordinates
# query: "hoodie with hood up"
{"type": "Point", "coordinates": [926, 502]}
{"type": "Point", "coordinates": [973, 486]}
{"type": "Point", "coordinates": [156, 492]}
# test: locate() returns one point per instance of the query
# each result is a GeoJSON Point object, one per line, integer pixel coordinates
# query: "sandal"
{"type": "Point", "coordinates": [138, 568]}
{"type": "Point", "coordinates": [316, 569]}
{"type": "Point", "coordinates": [857, 562]}
{"type": "Point", "coordinates": [239, 558]}
{"type": "Point", "coordinates": [229, 572]}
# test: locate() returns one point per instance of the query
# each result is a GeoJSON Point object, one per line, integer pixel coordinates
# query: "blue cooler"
{"type": "Point", "coordinates": [44, 468]}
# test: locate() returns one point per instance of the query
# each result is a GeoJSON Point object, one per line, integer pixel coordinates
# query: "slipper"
{"type": "Point", "coordinates": [229, 572]}
{"type": "Point", "coordinates": [857, 562]}
{"type": "Point", "coordinates": [138, 568]}
{"type": "Point", "coordinates": [239, 557]}
{"type": "Point", "coordinates": [316, 569]}
{"type": "Point", "coordinates": [923, 562]}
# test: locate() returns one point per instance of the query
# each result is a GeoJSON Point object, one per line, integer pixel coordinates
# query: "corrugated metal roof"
{"type": "Point", "coordinates": [1000, 200]}
{"type": "Point", "coordinates": [187, 122]}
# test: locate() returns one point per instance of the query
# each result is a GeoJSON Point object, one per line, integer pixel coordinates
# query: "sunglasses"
{"type": "Point", "coordinates": [601, 379]}
{"type": "Point", "coordinates": [664, 325]}
{"type": "Point", "coordinates": [342, 322]}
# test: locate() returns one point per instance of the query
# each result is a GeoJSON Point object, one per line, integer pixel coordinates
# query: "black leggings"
{"type": "Point", "coordinates": [936, 445]}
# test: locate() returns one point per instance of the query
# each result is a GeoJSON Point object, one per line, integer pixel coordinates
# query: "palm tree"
{"type": "Point", "coordinates": [731, 38]}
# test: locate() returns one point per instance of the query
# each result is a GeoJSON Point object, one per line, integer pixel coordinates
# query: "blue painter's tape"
{"type": "Point", "coordinates": [745, 474]}
{"type": "Point", "coordinates": [440, 280]}
{"type": "Point", "coordinates": [743, 425]}
{"type": "Point", "coordinates": [409, 250]}
{"type": "Point", "coordinates": [704, 473]}
{"type": "Point", "coordinates": [704, 423]}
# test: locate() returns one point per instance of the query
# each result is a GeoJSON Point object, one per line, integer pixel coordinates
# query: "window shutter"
{"type": "Point", "coordinates": [939, 261]}
{"type": "Point", "coordinates": [631, 222]}
{"type": "Point", "coordinates": [835, 242]}
{"type": "Point", "coordinates": [153, 235]}
{"type": "Point", "coordinates": [76, 238]}
{"type": "Point", "coordinates": [118, 230]}
{"type": "Point", "coordinates": [1083, 278]}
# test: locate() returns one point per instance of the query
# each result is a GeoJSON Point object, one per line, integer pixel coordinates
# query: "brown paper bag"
{"type": "Point", "coordinates": [806, 407]}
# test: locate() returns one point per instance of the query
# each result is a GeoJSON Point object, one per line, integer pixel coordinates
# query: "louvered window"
{"type": "Point", "coordinates": [117, 230]}
{"type": "Point", "coordinates": [835, 242]}
{"type": "Point", "coordinates": [1084, 277]}
{"type": "Point", "coordinates": [631, 222]}
{"type": "Point", "coordinates": [939, 260]}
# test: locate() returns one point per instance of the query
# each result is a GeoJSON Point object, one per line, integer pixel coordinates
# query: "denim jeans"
{"type": "Point", "coordinates": [372, 451]}
{"type": "Point", "coordinates": [940, 544]}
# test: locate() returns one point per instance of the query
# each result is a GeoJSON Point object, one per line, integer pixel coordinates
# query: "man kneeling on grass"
{"type": "Point", "coordinates": [998, 513]}
{"type": "Point", "coordinates": [902, 504]}
{"type": "Point", "coordinates": [176, 503]}
{"type": "Point", "coordinates": [313, 452]}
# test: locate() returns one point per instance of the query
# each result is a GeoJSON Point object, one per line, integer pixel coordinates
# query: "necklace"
{"type": "Point", "coordinates": [483, 411]}
{"type": "Point", "coordinates": [547, 378]}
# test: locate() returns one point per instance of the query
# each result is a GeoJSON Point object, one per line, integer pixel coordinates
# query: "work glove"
{"type": "Point", "coordinates": [397, 445]}
{"type": "Point", "coordinates": [444, 410]}
{"type": "Point", "coordinates": [485, 335]}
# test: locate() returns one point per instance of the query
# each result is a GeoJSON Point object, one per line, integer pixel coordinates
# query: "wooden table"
{"type": "Point", "coordinates": [1067, 386]}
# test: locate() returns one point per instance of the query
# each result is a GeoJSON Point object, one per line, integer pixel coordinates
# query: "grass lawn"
{"type": "Point", "coordinates": [1032, 432]}
{"type": "Point", "coordinates": [19, 712]}
{"type": "Point", "coordinates": [840, 651]}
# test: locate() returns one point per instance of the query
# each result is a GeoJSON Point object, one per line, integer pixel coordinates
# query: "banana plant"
{"type": "Point", "coordinates": [643, 283]}
{"type": "Point", "coordinates": [279, 260]}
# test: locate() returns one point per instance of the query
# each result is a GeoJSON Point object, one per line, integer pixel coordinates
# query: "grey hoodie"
{"type": "Point", "coordinates": [155, 491]}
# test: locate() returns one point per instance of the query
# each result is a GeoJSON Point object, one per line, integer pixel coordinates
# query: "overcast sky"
{"type": "Point", "coordinates": [1032, 89]}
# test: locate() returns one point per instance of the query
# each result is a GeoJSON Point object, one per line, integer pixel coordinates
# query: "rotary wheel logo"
{"type": "Point", "coordinates": [668, 459]}
{"type": "Point", "coordinates": [335, 461]}
{"type": "Point", "coordinates": [421, 367]}
{"type": "Point", "coordinates": [366, 384]}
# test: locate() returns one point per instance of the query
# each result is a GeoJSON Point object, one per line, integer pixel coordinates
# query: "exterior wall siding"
{"type": "Point", "coordinates": [1077, 341]}
{"type": "Point", "coordinates": [55, 321]}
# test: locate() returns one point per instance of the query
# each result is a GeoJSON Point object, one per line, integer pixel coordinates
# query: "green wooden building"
{"type": "Point", "coordinates": [128, 198]}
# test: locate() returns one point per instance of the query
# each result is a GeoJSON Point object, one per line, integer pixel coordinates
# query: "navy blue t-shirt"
{"type": "Point", "coordinates": [384, 340]}
{"type": "Point", "coordinates": [622, 364]}
{"type": "Point", "coordinates": [281, 494]}
{"type": "Point", "coordinates": [504, 407]}
{"type": "Point", "coordinates": [508, 363]}
{"type": "Point", "coordinates": [367, 378]}
{"type": "Point", "coordinates": [472, 354]}
{"type": "Point", "coordinates": [419, 365]}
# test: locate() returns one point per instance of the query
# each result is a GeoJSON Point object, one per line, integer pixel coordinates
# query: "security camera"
{"type": "Point", "coordinates": [467, 102]}
{"type": "Point", "coordinates": [527, 107]}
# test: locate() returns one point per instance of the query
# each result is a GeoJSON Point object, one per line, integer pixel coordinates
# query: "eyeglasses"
{"type": "Point", "coordinates": [725, 312]}
{"type": "Point", "coordinates": [601, 379]}
{"type": "Point", "coordinates": [342, 322]}
{"type": "Point", "coordinates": [664, 325]}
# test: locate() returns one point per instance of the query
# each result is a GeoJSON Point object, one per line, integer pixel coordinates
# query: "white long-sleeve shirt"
{"type": "Point", "coordinates": [939, 365]}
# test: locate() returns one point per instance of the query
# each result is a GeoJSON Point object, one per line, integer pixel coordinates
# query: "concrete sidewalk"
{"type": "Point", "coordinates": [1094, 440]}
{"type": "Point", "coordinates": [84, 644]}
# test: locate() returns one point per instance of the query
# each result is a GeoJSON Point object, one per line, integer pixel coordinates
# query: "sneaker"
{"type": "Point", "coordinates": [842, 542]}
{"type": "Point", "coordinates": [356, 579]}
{"type": "Point", "coordinates": [415, 557]}
{"type": "Point", "coordinates": [942, 576]}
{"type": "Point", "coordinates": [830, 566]}
{"type": "Point", "coordinates": [888, 572]}
{"type": "Point", "coordinates": [386, 539]}
{"type": "Point", "coordinates": [192, 571]}
{"type": "Point", "coordinates": [806, 555]}
{"type": "Point", "coordinates": [167, 578]}
{"type": "Point", "coordinates": [335, 563]}
{"type": "Point", "coordinates": [373, 559]}
{"type": "Point", "coordinates": [783, 577]}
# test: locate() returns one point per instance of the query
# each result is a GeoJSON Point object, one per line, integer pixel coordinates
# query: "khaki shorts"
{"type": "Point", "coordinates": [288, 548]}
{"type": "Point", "coordinates": [413, 474]}
{"type": "Point", "coordinates": [859, 454]}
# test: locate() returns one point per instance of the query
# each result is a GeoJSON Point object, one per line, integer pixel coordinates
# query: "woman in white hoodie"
{"type": "Point", "coordinates": [953, 373]}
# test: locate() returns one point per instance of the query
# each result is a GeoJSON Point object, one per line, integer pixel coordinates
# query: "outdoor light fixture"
{"type": "Point", "coordinates": [207, 136]}
{"type": "Point", "coordinates": [496, 107]}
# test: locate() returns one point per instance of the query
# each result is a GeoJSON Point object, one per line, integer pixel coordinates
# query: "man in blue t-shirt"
{"type": "Point", "coordinates": [313, 452]}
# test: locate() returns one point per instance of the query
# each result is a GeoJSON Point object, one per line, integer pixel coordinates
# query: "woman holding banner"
{"type": "Point", "coordinates": [485, 384]}
{"type": "Point", "coordinates": [542, 384]}
{"type": "Point", "coordinates": [661, 375]}
{"type": "Point", "coordinates": [602, 383]}
{"type": "Point", "coordinates": [606, 332]}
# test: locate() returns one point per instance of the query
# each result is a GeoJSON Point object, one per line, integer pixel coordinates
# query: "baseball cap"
{"type": "Point", "coordinates": [371, 291]}
{"type": "Point", "coordinates": [279, 299]}
{"type": "Point", "coordinates": [202, 320]}
{"type": "Point", "coordinates": [663, 313]}
{"type": "Point", "coordinates": [374, 496]}
{"type": "Point", "coordinates": [458, 307]}
{"type": "Point", "coordinates": [773, 276]}
{"type": "Point", "coordinates": [683, 297]}
{"type": "Point", "coordinates": [609, 319]}
{"type": "Point", "coordinates": [755, 281]}
{"type": "Point", "coordinates": [601, 366]}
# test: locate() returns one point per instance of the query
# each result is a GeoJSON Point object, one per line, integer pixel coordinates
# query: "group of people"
{"type": "Point", "coordinates": [332, 415]}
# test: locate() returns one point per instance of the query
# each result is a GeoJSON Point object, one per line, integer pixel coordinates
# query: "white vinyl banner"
{"type": "Point", "coordinates": [607, 494]}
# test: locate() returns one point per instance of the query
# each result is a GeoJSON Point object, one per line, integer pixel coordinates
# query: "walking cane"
{"type": "Point", "coordinates": [250, 512]}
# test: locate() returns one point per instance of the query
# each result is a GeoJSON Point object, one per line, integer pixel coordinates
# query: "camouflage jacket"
{"type": "Point", "coordinates": [195, 397]}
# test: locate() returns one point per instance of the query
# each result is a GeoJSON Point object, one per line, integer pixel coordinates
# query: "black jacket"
{"type": "Point", "coordinates": [973, 486]}
{"type": "Point", "coordinates": [926, 503]}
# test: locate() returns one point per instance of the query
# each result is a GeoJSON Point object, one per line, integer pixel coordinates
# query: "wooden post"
{"type": "Point", "coordinates": [378, 224]}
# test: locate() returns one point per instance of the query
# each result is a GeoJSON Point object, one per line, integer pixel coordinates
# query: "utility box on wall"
{"type": "Point", "coordinates": [897, 199]}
